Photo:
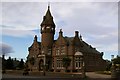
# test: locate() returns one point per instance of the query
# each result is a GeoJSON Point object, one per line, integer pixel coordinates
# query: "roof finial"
{"type": "Point", "coordinates": [35, 38]}
{"type": "Point", "coordinates": [48, 5]}
{"type": "Point", "coordinates": [60, 30]}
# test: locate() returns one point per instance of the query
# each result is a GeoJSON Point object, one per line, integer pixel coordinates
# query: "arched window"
{"type": "Point", "coordinates": [78, 60]}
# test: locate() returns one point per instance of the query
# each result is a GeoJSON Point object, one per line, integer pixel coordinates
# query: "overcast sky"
{"type": "Point", "coordinates": [97, 22]}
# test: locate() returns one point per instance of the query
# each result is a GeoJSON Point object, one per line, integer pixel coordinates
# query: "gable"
{"type": "Point", "coordinates": [35, 45]}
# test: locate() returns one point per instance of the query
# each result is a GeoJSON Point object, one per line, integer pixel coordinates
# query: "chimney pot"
{"type": "Point", "coordinates": [60, 33]}
{"type": "Point", "coordinates": [76, 33]}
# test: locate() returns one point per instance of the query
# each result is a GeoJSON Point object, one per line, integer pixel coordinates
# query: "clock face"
{"type": "Point", "coordinates": [48, 27]}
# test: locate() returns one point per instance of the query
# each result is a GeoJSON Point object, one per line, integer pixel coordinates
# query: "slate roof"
{"type": "Point", "coordinates": [85, 46]}
{"type": "Point", "coordinates": [69, 39]}
{"type": "Point", "coordinates": [48, 19]}
{"type": "Point", "coordinates": [89, 48]}
{"type": "Point", "coordinates": [32, 45]}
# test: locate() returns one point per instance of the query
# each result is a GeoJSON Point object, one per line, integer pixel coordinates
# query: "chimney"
{"type": "Point", "coordinates": [80, 37]}
{"type": "Point", "coordinates": [76, 33]}
{"type": "Point", "coordinates": [60, 33]}
{"type": "Point", "coordinates": [3, 56]}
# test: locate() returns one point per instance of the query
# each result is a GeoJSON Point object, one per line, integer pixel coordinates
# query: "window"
{"type": "Point", "coordinates": [59, 63]}
{"type": "Point", "coordinates": [43, 28]}
{"type": "Point", "coordinates": [49, 51]}
{"type": "Point", "coordinates": [76, 49]}
{"type": "Point", "coordinates": [52, 29]}
{"type": "Point", "coordinates": [77, 62]}
{"type": "Point", "coordinates": [57, 51]}
{"type": "Point", "coordinates": [62, 50]}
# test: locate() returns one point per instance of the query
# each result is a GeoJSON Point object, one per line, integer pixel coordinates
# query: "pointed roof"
{"type": "Point", "coordinates": [48, 19]}
{"type": "Point", "coordinates": [48, 13]}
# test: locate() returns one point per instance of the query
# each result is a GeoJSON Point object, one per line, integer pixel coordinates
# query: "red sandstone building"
{"type": "Point", "coordinates": [50, 52]}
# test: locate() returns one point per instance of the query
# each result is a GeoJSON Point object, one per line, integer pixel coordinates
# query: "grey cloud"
{"type": "Point", "coordinates": [21, 31]}
{"type": "Point", "coordinates": [18, 33]}
{"type": "Point", "coordinates": [25, 13]}
{"type": "Point", "coordinates": [89, 19]}
{"type": "Point", "coordinates": [5, 49]}
{"type": "Point", "coordinates": [60, 1]}
{"type": "Point", "coordinates": [93, 20]}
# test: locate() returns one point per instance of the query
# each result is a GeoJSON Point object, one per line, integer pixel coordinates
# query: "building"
{"type": "Point", "coordinates": [49, 52]}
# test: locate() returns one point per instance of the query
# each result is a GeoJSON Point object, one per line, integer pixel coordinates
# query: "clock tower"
{"type": "Point", "coordinates": [47, 37]}
{"type": "Point", "coordinates": [47, 32]}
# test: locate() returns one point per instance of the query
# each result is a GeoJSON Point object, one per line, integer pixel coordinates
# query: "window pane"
{"type": "Point", "coordinates": [76, 64]}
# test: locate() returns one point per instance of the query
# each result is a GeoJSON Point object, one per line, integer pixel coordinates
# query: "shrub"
{"type": "Point", "coordinates": [57, 70]}
{"type": "Point", "coordinates": [52, 70]}
{"type": "Point", "coordinates": [67, 71]}
{"type": "Point", "coordinates": [74, 70]}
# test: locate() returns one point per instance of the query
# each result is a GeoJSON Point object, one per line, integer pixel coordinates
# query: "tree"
{"type": "Point", "coordinates": [108, 65]}
{"type": "Point", "coordinates": [5, 49]}
{"type": "Point", "coordinates": [66, 62]}
{"type": "Point", "coordinates": [9, 63]}
{"type": "Point", "coordinates": [16, 63]}
{"type": "Point", "coordinates": [116, 60]}
{"type": "Point", "coordinates": [21, 64]}
{"type": "Point", "coordinates": [3, 62]}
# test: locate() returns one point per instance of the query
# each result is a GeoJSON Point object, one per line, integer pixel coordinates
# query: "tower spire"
{"type": "Point", "coordinates": [48, 19]}
{"type": "Point", "coordinates": [48, 5]}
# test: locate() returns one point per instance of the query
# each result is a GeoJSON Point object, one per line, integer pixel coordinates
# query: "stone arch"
{"type": "Point", "coordinates": [78, 53]}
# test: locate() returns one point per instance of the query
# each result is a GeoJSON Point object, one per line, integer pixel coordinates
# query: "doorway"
{"type": "Point", "coordinates": [41, 65]}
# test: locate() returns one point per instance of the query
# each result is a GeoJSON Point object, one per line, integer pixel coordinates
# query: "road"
{"type": "Point", "coordinates": [94, 75]}
{"type": "Point", "coordinates": [90, 76]}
